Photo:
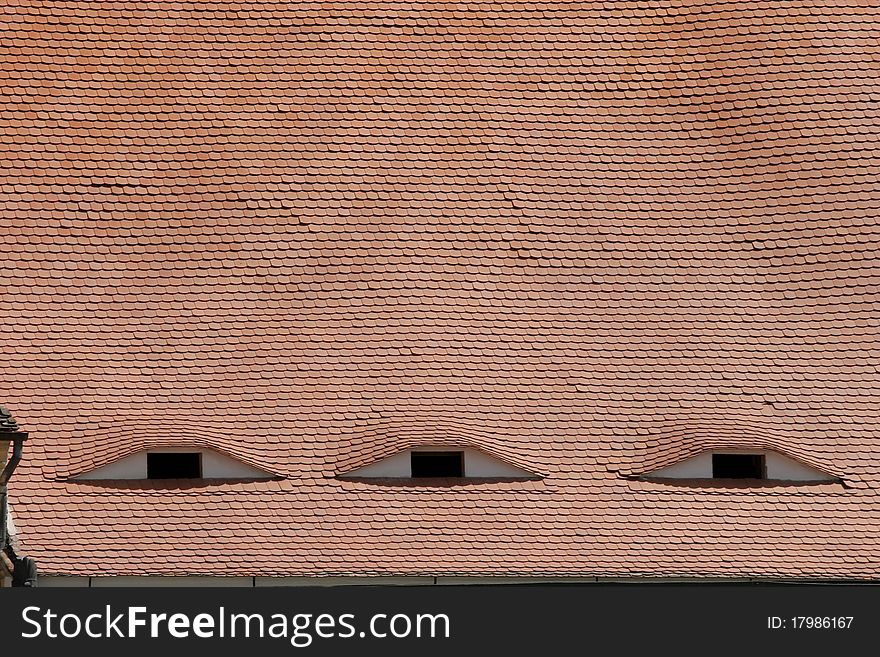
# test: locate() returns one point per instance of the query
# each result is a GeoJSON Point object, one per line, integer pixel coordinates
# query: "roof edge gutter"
{"type": "Point", "coordinates": [17, 438]}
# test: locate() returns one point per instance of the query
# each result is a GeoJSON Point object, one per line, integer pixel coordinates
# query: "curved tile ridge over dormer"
{"type": "Point", "coordinates": [668, 447]}
{"type": "Point", "coordinates": [389, 438]}
{"type": "Point", "coordinates": [101, 448]}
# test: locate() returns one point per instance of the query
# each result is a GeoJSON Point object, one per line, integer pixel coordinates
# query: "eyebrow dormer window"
{"type": "Point", "coordinates": [745, 464]}
{"type": "Point", "coordinates": [739, 466]}
{"type": "Point", "coordinates": [174, 465]}
{"type": "Point", "coordinates": [170, 462]}
{"type": "Point", "coordinates": [437, 464]}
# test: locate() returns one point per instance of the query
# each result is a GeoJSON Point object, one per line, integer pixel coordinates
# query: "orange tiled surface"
{"type": "Point", "coordinates": [589, 238]}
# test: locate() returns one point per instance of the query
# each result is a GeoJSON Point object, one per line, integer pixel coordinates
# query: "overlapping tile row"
{"type": "Point", "coordinates": [589, 239]}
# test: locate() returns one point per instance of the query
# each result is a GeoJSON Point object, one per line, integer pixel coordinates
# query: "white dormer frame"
{"type": "Point", "coordinates": [214, 466]}
{"type": "Point", "coordinates": [779, 467]}
{"type": "Point", "coordinates": [477, 465]}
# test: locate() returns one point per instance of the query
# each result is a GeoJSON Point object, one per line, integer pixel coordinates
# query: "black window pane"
{"type": "Point", "coordinates": [738, 466]}
{"type": "Point", "coordinates": [174, 466]}
{"type": "Point", "coordinates": [437, 464]}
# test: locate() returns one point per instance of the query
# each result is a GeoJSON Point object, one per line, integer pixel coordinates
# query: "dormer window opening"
{"type": "Point", "coordinates": [437, 464]}
{"type": "Point", "coordinates": [174, 465]}
{"type": "Point", "coordinates": [739, 466]}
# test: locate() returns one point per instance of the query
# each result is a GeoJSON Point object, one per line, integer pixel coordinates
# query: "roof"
{"type": "Point", "coordinates": [588, 238]}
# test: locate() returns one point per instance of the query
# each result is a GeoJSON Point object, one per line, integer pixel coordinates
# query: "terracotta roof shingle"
{"type": "Point", "coordinates": [586, 238]}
